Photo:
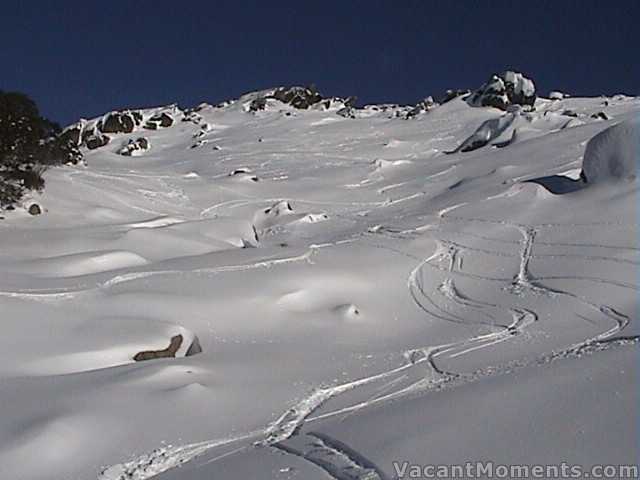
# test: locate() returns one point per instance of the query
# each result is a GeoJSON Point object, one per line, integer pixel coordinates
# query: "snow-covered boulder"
{"type": "Point", "coordinates": [613, 155]}
{"type": "Point", "coordinates": [504, 89]}
{"type": "Point", "coordinates": [133, 148]}
{"type": "Point", "coordinates": [492, 129]}
{"type": "Point", "coordinates": [557, 95]}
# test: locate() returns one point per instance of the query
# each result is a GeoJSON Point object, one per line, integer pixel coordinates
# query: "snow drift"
{"type": "Point", "coordinates": [613, 155]}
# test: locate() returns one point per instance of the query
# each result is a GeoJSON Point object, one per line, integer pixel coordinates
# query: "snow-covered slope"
{"type": "Point", "coordinates": [359, 296]}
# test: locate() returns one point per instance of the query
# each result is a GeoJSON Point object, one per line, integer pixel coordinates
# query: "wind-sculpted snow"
{"type": "Point", "coordinates": [613, 154]}
{"type": "Point", "coordinates": [357, 296]}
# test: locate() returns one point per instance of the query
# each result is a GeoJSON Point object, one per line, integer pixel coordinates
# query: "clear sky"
{"type": "Point", "coordinates": [83, 58]}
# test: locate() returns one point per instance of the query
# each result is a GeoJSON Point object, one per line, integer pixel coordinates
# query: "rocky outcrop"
{"type": "Point", "coordinates": [119, 122]}
{"type": "Point", "coordinates": [298, 97]}
{"type": "Point", "coordinates": [504, 89]}
{"type": "Point", "coordinates": [301, 98]}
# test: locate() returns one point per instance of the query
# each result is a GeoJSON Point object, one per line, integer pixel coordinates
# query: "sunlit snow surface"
{"type": "Point", "coordinates": [360, 297]}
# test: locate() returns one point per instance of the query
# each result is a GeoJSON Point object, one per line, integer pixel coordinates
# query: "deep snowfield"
{"type": "Point", "coordinates": [369, 299]}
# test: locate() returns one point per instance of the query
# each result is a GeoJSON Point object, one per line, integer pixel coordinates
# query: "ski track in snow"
{"type": "Point", "coordinates": [341, 462]}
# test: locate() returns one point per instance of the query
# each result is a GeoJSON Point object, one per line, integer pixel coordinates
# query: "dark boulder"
{"type": "Point", "coordinates": [160, 120]}
{"type": "Point", "coordinates": [504, 89]}
{"type": "Point", "coordinates": [35, 209]}
{"type": "Point", "coordinates": [118, 122]}
{"type": "Point", "coordinates": [95, 140]}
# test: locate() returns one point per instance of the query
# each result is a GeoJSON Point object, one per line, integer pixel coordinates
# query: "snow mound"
{"type": "Point", "coordinates": [613, 154]}
{"type": "Point", "coordinates": [86, 263]}
{"type": "Point", "coordinates": [504, 89]}
{"type": "Point", "coordinates": [489, 130]}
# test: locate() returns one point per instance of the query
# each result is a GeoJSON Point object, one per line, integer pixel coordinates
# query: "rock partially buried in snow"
{"type": "Point", "coordinates": [35, 209]}
{"type": "Point", "coordinates": [504, 89]}
{"type": "Point", "coordinates": [170, 351]}
{"type": "Point", "coordinates": [613, 155]}
{"type": "Point", "coordinates": [489, 130]}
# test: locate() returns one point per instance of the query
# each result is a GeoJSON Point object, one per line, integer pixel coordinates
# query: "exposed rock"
{"type": "Point", "coordinates": [421, 107]}
{"type": "Point", "coordinates": [73, 134]}
{"type": "Point", "coordinates": [258, 104]}
{"type": "Point", "coordinates": [504, 89]}
{"type": "Point", "coordinates": [160, 120]}
{"type": "Point", "coordinates": [96, 140]}
{"type": "Point", "coordinates": [134, 147]}
{"type": "Point", "coordinates": [347, 112]}
{"type": "Point", "coordinates": [298, 97]}
{"type": "Point", "coordinates": [335, 103]}
{"type": "Point", "coordinates": [600, 116]}
{"type": "Point", "coordinates": [119, 122]}
{"type": "Point", "coordinates": [34, 209]}
{"type": "Point", "coordinates": [170, 351]}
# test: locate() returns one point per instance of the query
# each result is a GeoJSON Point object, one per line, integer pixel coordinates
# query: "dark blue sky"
{"type": "Point", "coordinates": [82, 58]}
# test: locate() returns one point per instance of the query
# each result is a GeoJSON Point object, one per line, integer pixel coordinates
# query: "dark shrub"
{"type": "Point", "coordinates": [28, 143]}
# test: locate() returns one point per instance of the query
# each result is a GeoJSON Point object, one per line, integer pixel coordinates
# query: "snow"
{"type": "Point", "coordinates": [369, 299]}
{"type": "Point", "coordinates": [613, 154]}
